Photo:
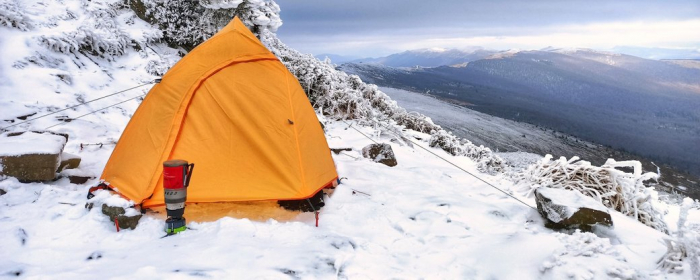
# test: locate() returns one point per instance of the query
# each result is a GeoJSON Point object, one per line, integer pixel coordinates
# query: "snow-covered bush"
{"type": "Point", "coordinates": [186, 24]}
{"type": "Point", "coordinates": [98, 34]}
{"type": "Point", "coordinates": [12, 15]}
{"type": "Point", "coordinates": [258, 15]}
{"type": "Point", "coordinates": [685, 245]}
{"type": "Point", "coordinates": [344, 96]}
{"type": "Point", "coordinates": [482, 155]}
{"type": "Point", "coordinates": [622, 191]}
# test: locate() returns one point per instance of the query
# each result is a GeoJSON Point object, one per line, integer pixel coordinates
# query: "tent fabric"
{"type": "Point", "coordinates": [234, 110]}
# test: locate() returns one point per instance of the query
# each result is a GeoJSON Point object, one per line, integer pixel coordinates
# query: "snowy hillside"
{"type": "Point", "coordinates": [644, 106]}
{"type": "Point", "coordinates": [522, 143]}
{"type": "Point", "coordinates": [423, 218]}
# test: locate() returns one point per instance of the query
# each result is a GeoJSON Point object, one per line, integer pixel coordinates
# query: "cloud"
{"type": "Point", "coordinates": [372, 28]}
{"type": "Point", "coordinates": [667, 34]}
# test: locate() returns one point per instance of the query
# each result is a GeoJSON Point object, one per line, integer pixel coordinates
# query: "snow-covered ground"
{"type": "Point", "coordinates": [420, 219]}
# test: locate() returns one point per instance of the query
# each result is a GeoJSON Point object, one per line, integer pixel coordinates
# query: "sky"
{"type": "Point", "coordinates": [366, 28]}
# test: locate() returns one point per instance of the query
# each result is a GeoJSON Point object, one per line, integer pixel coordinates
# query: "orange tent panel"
{"type": "Point", "coordinates": [234, 110]}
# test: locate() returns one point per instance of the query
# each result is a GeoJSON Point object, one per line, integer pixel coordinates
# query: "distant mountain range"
{"type": "Point", "coordinates": [429, 58]}
{"type": "Point", "coordinates": [648, 107]}
{"type": "Point", "coordinates": [435, 57]}
{"type": "Point", "coordinates": [659, 53]}
{"type": "Point", "coordinates": [336, 58]}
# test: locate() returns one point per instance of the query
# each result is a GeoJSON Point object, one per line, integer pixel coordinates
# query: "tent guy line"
{"type": "Point", "coordinates": [87, 102]}
{"type": "Point", "coordinates": [110, 106]}
{"type": "Point", "coordinates": [445, 160]}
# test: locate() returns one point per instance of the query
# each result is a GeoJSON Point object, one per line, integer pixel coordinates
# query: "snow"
{"type": "Point", "coordinates": [420, 219]}
{"type": "Point", "coordinates": [68, 156]}
{"type": "Point", "coordinates": [571, 200]}
{"type": "Point", "coordinates": [77, 172]}
{"type": "Point", "coordinates": [31, 143]}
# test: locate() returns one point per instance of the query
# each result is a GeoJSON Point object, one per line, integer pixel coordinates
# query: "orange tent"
{"type": "Point", "coordinates": [232, 108]}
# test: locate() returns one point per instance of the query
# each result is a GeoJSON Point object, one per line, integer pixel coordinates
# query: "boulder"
{"type": "Point", "coordinates": [119, 213]}
{"type": "Point", "coordinates": [31, 156]}
{"type": "Point", "coordinates": [570, 209]}
{"type": "Point", "coordinates": [2, 192]}
{"type": "Point", "coordinates": [381, 153]}
{"type": "Point", "coordinates": [68, 161]}
{"type": "Point", "coordinates": [112, 211]}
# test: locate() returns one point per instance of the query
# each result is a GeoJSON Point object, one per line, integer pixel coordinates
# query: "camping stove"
{"type": "Point", "coordinates": [176, 178]}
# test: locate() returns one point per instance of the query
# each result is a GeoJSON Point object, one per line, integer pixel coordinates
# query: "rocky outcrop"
{"type": "Point", "coordinates": [570, 209]}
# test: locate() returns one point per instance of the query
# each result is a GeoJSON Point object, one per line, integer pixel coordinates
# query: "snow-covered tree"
{"type": "Point", "coordinates": [186, 24]}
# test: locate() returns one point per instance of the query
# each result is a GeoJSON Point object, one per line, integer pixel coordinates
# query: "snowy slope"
{"type": "Point", "coordinates": [420, 219]}
{"type": "Point", "coordinates": [50, 66]}
{"type": "Point", "coordinates": [529, 141]}
{"type": "Point", "coordinates": [644, 106]}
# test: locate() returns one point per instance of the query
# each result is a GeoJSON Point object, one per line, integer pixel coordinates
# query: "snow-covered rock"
{"type": "Point", "coordinates": [121, 217]}
{"type": "Point", "coordinates": [69, 161]}
{"type": "Point", "coordinates": [570, 209]}
{"type": "Point", "coordinates": [31, 156]}
{"type": "Point", "coordinates": [381, 153]}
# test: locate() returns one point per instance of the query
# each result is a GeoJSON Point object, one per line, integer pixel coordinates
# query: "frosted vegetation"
{"type": "Point", "coordinates": [616, 189]}
{"type": "Point", "coordinates": [94, 29]}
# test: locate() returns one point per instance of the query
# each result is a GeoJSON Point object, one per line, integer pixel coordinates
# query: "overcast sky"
{"type": "Point", "coordinates": [380, 27]}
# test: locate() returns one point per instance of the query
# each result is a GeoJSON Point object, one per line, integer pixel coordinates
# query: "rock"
{"type": "Point", "coordinates": [68, 161]}
{"type": "Point", "coordinates": [128, 221]}
{"type": "Point", "coordinates": [24, 117]}
{"type": "Point", "coordinates": [338, 150]}
{"type": "Point", "coordinates": [381, 153]}
{"type": "Point", "coordinates": [2, 192]}
{"type": "Point", "coordinates": [125, 221]}
{"type": "Point", "coordinates": [30, 168]}
{"type": "Point", "coordinates": [79, 179]}
{"type": "Point", "coordinates": [31, 156]}
{"type": "Point", "coordinates": [570, 209]}
{"type": "Point", "coordinates": [112, 211]}
{"type": "Point", "coordinates": [77, 175]}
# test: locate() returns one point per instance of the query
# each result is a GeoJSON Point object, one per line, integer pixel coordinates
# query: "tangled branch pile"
{"type": "Point", "coordinates": [616, 189]}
